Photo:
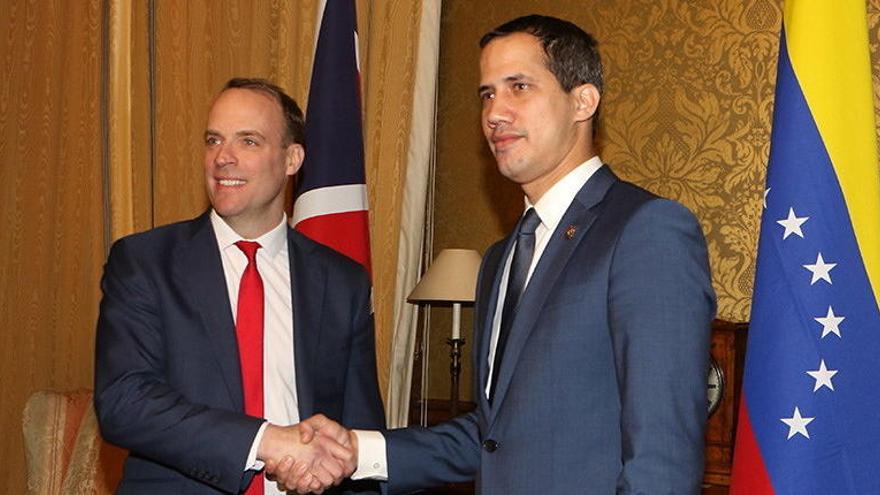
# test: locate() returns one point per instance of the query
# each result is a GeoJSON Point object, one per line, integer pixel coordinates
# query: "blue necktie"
{"type": "Point", "coordinates": [516, 281]}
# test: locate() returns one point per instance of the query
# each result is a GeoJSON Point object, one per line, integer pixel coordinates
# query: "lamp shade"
{"type": "Point", "coordinates": [452, 277]}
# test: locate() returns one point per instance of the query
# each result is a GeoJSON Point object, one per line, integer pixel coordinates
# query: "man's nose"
{"type": "Point", "coordinates": [224, 155]}
{"type": "Point", "coordinates": [497, 112]}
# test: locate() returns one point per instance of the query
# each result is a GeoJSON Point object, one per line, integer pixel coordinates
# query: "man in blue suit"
{"type": "Point", "coordinates": [592, 318]}
{"type": "Point", "coordinates": [174, 359]}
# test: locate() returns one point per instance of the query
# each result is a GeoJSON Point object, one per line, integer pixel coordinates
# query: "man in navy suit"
{"type": "Point", "coordinates": [170, 363]}
{"type": "Point", "coordinates": [592, 318]}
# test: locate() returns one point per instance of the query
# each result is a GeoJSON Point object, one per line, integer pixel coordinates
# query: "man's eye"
{"type": "Point", "coordinates": [211, 141]}
{"type": "Point", "coordinates": [487, 96]}
{"type": "Point", "coordinates": [520, 86]}
{"type": "Point", "coordinates": [250, 142]}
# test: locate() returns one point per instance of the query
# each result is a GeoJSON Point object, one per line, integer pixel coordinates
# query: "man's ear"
{"type": "Point", "coordinates": [294, 154]}
{"type": "Point", "coordinates": [586, 99]}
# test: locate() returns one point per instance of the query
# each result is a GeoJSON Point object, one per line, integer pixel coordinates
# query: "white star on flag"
{"type": "Point", "coordinates": [797, 425]}
{"type": "Point", "coordinates": [821, 270]}
{"type": "Point", "coordinates": [830, 323]}
{"type": "Point", "coordinates": [766, 192]}
{"type": "Point", "coordinates": [823, 376]}
{"type": "Point", "coordinates": [792, 224]}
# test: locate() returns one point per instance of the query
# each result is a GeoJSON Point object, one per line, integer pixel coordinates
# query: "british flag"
{"type": "Point", "coordinates": [331, 197]}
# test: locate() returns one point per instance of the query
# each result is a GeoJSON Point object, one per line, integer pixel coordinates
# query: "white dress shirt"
{"type": "Point", "coordinates": [279, 373]}
{"type": "Point", "coordinates": [550, 208]}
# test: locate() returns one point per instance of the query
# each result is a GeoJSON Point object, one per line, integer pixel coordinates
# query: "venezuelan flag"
{"type": "Point", "coordinates": [808, 420]}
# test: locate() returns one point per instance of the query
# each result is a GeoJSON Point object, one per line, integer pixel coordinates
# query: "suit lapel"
{"type": "Point", "coordinates": [307, 288]}
{"type": "Point", "coordinates": [198, 271]}
{"type": "Point", "coordinates": [572, 229]}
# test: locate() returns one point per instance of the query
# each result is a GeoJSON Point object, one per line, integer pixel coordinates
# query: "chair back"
{"type": "Point", "coordinates": [64, 449]}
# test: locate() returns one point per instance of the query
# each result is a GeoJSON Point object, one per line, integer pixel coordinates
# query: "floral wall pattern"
{"type": "Point", "coordinates": [688, 117]}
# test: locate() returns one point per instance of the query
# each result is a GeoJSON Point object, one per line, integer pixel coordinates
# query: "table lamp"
{"type": "Point", "coordinates": [451, 278]}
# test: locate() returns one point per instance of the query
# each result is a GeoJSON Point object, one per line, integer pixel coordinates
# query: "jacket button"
{"type": "Point", "coordinates": [490, 445]}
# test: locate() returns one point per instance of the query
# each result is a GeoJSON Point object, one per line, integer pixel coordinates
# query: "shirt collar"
{"type": "Point", "coordinates": [272, 242]}
{"type": "Point", "coordinates": [555, 202]}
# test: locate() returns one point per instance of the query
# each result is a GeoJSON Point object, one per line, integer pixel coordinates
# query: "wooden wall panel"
{"type": "Point", "coordinates": [52, 234]}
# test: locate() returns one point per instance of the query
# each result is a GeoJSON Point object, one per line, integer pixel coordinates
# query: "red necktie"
{"type": "Point", "coordinates": [249, 332]}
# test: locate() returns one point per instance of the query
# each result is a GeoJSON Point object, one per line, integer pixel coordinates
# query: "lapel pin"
{"type": "Point", "coordinates": [570, 232]}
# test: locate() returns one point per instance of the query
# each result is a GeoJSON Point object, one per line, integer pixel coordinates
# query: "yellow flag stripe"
{"type": "Point", "coordinates": [828, 47]}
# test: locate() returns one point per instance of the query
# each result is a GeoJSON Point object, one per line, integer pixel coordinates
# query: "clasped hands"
{"type": "Point", "coordinates": [308, 457]}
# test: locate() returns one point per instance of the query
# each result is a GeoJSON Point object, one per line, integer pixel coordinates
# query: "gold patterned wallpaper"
{"type": "Point", "coordinates": [686, 114]}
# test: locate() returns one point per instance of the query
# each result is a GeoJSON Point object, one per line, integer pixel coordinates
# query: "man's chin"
{"type": "Point", "coordinates": [510, 169]}
{"type": "Point", "coordinates": [226, 210]}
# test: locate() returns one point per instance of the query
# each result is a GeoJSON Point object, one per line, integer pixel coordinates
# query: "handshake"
{"type": "Point", "coordinates": [308, 457]}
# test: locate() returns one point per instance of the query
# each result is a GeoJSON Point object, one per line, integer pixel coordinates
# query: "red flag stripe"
{"type": "Point", "coordinates": [347, 233]}
{"type": "Point", "coordinates": [749, 476]}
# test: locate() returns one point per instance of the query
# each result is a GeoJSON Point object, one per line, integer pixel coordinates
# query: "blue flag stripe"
{"type": "Point", "coordinates": [785, 340]}
{"type": "Point", "coordinates": [334, 132]}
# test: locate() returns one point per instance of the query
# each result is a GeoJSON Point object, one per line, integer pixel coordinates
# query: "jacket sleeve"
{"type": "Point", "coordinates": [424, 457]}
{"type": "Point", "coordinates": [362, 406]}
{"type": "Point", "coordinates": [661, 304]}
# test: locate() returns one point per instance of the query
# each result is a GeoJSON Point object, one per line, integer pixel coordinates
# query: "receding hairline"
{"type": "Point", "coordinates": [209, 131]}
{"type": "Point", "coordinates": [293, 117]}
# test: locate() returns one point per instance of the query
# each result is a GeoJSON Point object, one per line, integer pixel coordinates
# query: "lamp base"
{"type": "Point", "coordinates": [454, 371]}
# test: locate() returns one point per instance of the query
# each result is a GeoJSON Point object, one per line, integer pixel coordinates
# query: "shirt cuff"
{"type": "Point", "coordinates": [252, 462]}
{"type": "Point", "coordinates": [372, 460]}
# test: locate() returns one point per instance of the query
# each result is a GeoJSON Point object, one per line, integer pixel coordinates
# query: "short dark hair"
{"type": "Point", "coordinates": [293, 115]}
{"type": "Point", "coordinates": [572, 54]}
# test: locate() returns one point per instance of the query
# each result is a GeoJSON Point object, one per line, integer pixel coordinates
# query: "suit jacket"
{"type": "Point", "coordinates": [167, 378]}
{"type": "Point", "coordinates": [602, 386]}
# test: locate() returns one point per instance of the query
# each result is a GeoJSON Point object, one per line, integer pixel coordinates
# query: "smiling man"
{"type": "Point", "coordinates": [591, 332]}
{"type": "Point", "coordinates": [217, 335]}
